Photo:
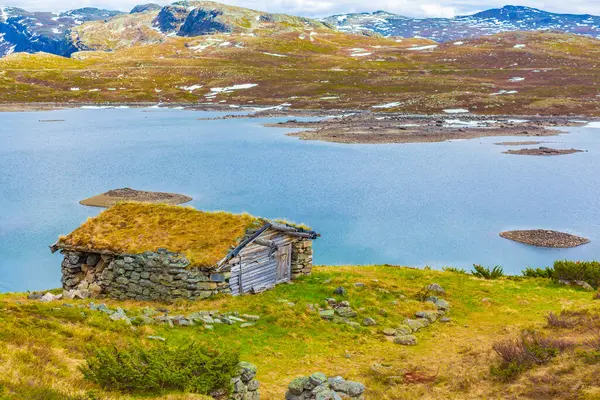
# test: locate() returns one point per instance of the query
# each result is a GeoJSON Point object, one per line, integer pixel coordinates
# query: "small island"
{"type": "Point", "coordinates": [112, 197]}
{"type": "Point", "coordinates": [543, 151]}
{"type": "Point", "coordinates": [545, 238]}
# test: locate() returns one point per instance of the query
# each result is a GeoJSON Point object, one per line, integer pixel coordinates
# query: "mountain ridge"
{"type": "Point", "coordinates": [488, 22]}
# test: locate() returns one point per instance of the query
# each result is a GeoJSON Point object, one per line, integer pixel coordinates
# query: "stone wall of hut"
{"type": "Point", "coordinates": [149, 276]}
{"type": "Point", "coordinates": [160, 275]}
{"type": "Point", "coordinates": [302, 257]}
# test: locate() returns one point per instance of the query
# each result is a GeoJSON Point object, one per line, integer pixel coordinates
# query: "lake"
{"type": "Point", "coordinates": [436, 204]}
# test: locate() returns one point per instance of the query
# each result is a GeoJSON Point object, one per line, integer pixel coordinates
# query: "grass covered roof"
{"type": "Point", "coordinates": [133, 228]}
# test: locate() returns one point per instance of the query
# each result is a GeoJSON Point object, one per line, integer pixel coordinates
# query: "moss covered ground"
{"type": "Point", "coordinates": [42, 344]}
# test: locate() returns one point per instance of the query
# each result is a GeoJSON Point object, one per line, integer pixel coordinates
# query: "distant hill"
{"type": "Point", "coordinates": [96, 29]}
{"type": "Point", "coordinates": [24, 31]}
{"type": "Point", "coordinates": [489, 22]}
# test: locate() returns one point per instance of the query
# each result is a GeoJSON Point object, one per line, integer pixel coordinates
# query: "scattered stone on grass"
{"type": "Point", "coordinates": [582, 284]}
{"type": "Point", "coordinates": [436, 289]}
{"type": "Point", "coordinates": [445, 319]}
{"type": "Point", "coordinates": [406, 340]}
{"type": "Point", "coordinates": [369, 322]}
{"type": "Point", "coordinates": [319, 387]}
{"type": "Point", "coordinates": [340, 291]}
{"type": "Point", "coordinates": [159, 338]}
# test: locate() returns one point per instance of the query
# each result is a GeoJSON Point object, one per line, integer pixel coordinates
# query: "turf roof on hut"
{"type": "Point", "coordinates": [133, 228]}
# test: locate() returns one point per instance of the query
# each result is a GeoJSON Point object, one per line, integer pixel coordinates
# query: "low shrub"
{"type": "Point", "coordinates": [587, 271]}
{"type": "Point", "coordinates": [485, 272]}
{"type": "Point", "coordinates": [455, 270]}
{"type": "Point", "coordinates": [190, 368]}
{"type": "Point", "coordinates": [547, 272]}
{"type": "Point", "coordinates": [566, 319]}
{"type": "Point", "coordinates": [524, 352]}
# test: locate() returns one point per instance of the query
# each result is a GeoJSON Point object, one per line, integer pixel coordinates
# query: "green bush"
{"type": "Point", "coordinates": [485, 272]}
{"type": "Point", "coordinates": [190, 368]}
{"type": "Point", "coordinates": [454, 270]}
{"type": "Point", "coordinates": [547, 272]}
{"type": "Point", "coordinates": [587, 271]}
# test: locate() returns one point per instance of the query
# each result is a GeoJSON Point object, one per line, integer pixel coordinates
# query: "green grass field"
{"type": "Point", "coordinates": [42, 344]}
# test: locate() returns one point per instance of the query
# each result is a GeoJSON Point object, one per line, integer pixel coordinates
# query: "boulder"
{"type": "Point", "coordinates": [247, 371]}
{"type": "Point", "coordinates": [345, 312]}
{"type": "Point", "coordinates": [369, 322]}
{"type": "Point", "coordinates": [430, 316]}
{"type": "Point", "coordinates": [48, 297]}
{"type": "Point", "coordinates": [406, 340]}
{"type": "Point", "coordinates": [327, 314]}
{"type": "Point", "coordinates": [340, 291]}
{"type": "Point", "coordinates": [403, 330]}
{"type": "Point", "coordinates": [389, 332]}
{"type": "Point", "coordinates": [296, 386]}
{"type": "Point", "coordinates": [442, 304]}
{"type": "Point", "coordinates": [436, 289]}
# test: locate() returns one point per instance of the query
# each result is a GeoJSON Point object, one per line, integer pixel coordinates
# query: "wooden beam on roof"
{"type": "Point", "coordinates": [265, 242]}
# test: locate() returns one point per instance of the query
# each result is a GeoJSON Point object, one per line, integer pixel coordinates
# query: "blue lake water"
{"type": "Point", "coordinates": [436, 204]}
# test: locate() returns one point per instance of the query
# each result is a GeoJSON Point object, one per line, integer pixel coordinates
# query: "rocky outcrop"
{"type": "Point", "coordinates": [145, 8]}
{"type": "Point", "coordinates": [170, 18]}
{"type": "Point", "coordinates": [318, 386]}
{"type": "Point", "coordinates": [203, 21]}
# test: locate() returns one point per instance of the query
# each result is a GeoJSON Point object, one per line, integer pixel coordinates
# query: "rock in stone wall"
{"type": "Point", "coordinates": [245, 387]}
{"type": "Point", "coordinates": [161, 276]}
{"type": "Point", "coordinates": [318, 386]}
{"type": "Point", "coordinates": [302, 256]}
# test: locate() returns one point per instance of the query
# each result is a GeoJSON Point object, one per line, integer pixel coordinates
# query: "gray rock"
{"type": "Point", "coordinates": [159, 338]}
{"type": "Point", "coordinates": [430, 316]}
{"type": "Point", "coordinates": [445, 319]}
{"type": "Point", "coordinates": [48, 297]}
{"type": "Point", "coordinates": [92, 259]}
{"type": "Point", "coordinates": [389, 332]}
{"type": "Point", "coordinates": [327, 314]}
{"type": "Point", "coordinates": [403, 330]}
{"type": "Point", "coordinates": [250, 317]}
{"type": "Point", "coordinates": [35, 296]}
{"type": "Point", "coordinates": [340, 291]}
{"type": "Point", "coordinates": [435, 288]}
{"type": "Point", "coordinates": [247, 371]}
{"type": "Point", "coordinates": [252, 385]}
{"type": "Point", "coordinates": [369, 322]}
{"type": "Point", "coordinates": [413, 324]}
{"type": "Point", "coordinates": [120, 315]}
{"type": "Point", "coordinates": [296, 386]}
{"type": "Point", "coordinates": [432, 299]}
{"type": "Point", "coordinates": [317, 378]}
{"type": "Point", "coordinates": [442, 304]}
{"type": "Point", "coordinates": [337, 383]}
{"type": "Point", "coordinates": [246, 325]}
{"type": "Point", "coordinates": [406, 340]}
{"type": "Point", "coordinates": [353, 389]}
{"type": "Point", "coordinates": [345, 312]}
{"type": "Point", "coordinates": [359, 284]}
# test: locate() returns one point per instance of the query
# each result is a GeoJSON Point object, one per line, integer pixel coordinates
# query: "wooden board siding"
{"type": "Point", "coordinates": [256, 266]}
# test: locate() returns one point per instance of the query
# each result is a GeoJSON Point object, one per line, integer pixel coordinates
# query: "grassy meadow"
{"type": "Point", "coordinates": [42, 345]}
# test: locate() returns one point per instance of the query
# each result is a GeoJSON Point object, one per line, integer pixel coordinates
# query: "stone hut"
{"type": "Point", "coordinates": [160, 252]}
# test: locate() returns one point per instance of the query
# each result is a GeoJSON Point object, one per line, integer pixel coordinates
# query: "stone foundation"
{"type": "Point", "coordinates": [302, 256]}
{"type": "Point", "coordinates": [161, 276]}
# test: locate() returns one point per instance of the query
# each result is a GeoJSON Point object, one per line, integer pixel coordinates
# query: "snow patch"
{"type": "Point", "coordinates": [595, 124]}
{"type": "Point", "coordinates": [190, 88]}
{"type": "Point", "coordinates": [420, 48]}
{"type": "Point", "coordinates": [275, 55]}
{"type": "Point", "coordinates": [519, 46]}
{"type": "Point", "coordinates": [74, 89]}
{"type": "Point", "coordinates": [455, 111]}
{"type": "Point", "coordinates": [388, 105]}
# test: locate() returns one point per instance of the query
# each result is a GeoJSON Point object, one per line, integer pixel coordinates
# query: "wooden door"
{"type": "Point", "coordinates": [284, 262]}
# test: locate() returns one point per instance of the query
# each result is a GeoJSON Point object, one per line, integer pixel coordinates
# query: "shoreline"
{"type": "Point", "coordinates": [361, 126]}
